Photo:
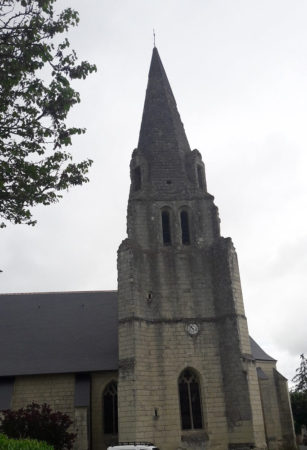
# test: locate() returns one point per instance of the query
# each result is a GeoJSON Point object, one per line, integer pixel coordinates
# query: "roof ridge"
{"type": "Point", "coordinates": [57, 292]}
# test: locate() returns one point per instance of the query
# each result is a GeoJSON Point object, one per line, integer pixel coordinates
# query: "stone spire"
{"type": "Point", "coordinates": [161, 128]}
{"type": "Point", "coordinates": [163, 155]}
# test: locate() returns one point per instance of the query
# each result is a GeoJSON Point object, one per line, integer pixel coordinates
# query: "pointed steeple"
{"type": "Point", "coordinates": [161, 128]}
{"type": "Point", "coordinates": [163, 165]}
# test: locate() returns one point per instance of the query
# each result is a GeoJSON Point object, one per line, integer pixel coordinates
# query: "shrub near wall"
{"type": "Point", "coordinates": [22, 444]}
{"type": "Point", "coordinates": [38, 422]}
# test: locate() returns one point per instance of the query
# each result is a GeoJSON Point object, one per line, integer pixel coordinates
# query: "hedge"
{"type": "Point", "coordinates": [22, 444]}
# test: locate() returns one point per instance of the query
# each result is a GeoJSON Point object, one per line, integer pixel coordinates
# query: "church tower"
{"type": "Point", "coordinates": [187, 379]}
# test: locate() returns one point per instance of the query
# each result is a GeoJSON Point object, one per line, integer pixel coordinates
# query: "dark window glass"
{"type": "Point", "coordinates": [200, 177]}
{"type": "Point", "coordinates": [195, 401]}
{"type": "Point", "coordinates": [115, 415]}
{"type": "Point", "coordinates": [82, 389]}
{"type": "Point", "coordinates": [6, 392]}
{"type": "Point", "coordinates": [190, 406]}
{"type": "Point", "coordinates": [166, 228]}
{"type": "Point", "coordinates": [110, 413]}
{"type": "Point", "coordinates": [137, 178]}
{"type": "Point", "coordinates": [185, 406]}
{"type": "Point", "coordinates": [185, 232]}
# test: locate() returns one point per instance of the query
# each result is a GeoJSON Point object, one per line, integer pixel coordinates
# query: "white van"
{"type": "Point", "coordinates": [133, 446]}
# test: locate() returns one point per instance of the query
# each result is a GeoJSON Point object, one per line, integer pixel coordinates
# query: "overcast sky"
{"type": "Point", "coordinates": [238, 72]}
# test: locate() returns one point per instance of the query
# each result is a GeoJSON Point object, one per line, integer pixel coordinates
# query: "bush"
{"type": "Point", "coordinates": [38, 422]}
{"type": "Point", "coordinates": [22, 444]}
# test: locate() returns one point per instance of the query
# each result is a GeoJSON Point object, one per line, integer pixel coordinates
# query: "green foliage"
{"type": "Point", "coordinates": [35, 98]}
{"type": "Point", "coordinates": [301, 376]}
{"type": "Point", "coordinates": [22, 444]}
{"type": "Point", "coordinates": [298, 395]}
{"type": "Point", "coordinates": [38, 422]}
{"type": "Point", "coordinates": [299, 409]}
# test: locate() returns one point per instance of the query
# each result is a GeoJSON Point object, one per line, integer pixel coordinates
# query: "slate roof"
{"type": "Point", "coordinates": [258, 353]}
{"type": "Point", "coordinates": [62, 332]}
{"type": "Point", "coordinates": [58, 332]}
{"type": "Point", "coordinates": [161, 122]}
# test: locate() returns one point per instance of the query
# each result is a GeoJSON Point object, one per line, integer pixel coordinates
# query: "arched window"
{"type": "Point", "coordinates": [190, 405]}
{"type": "Point", "coordinates": [185, 229]}
{"type": "Point", "coordinates": [110, 414]}
{"type": "Point", "coordinates": [166, 228]}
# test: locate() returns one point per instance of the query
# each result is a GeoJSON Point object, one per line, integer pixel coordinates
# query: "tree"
{"type": "Point", "coordinates": [38, 422]}
{"type": "Point", "coordinates": [301, 376]}
{"type": "Point", "coordinates": [299, 409]}
{"type": "Point", "coordinates": [298, 396]}
{"type": "Point", "coordinates": [35, 98]}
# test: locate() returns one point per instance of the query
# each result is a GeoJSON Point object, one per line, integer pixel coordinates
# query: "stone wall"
{"type": "Point", "coordinates": [155, 347]}
{"type": "Point", "coordinates": [58, 392]}
{"type": "Point", "coordinates": [285, 413]}
{"type": "Point", "coordinates": [276, 407]}
{"type": "Point", "coordinates": [269, 404]}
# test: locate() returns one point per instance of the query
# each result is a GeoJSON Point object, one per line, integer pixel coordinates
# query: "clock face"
{"type": "Point", "coordinates": [192, 329]}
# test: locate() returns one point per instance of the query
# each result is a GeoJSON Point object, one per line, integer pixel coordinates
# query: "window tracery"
{"type": "Point", "coordinates": [190, 403]}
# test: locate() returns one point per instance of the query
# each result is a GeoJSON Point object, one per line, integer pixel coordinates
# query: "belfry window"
{"type": "Point", "coordinates": [137, 178]}
{"type": "Point", "coordinates": [185, 229]}
{"type": "Point", "coordinates": [110, 414]}
{"type": "Point", "coordinates": [190, 404]}
{"type": "Point", "coordinates": [166, 228]}
{"type": "Point", "coordinates": [200, 177]}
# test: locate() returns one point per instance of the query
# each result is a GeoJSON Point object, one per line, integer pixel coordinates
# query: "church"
{"type": "Point", "coordinates": [167, 358]}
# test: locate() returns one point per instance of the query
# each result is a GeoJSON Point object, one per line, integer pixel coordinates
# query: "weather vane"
{"type": "Point", "coordinates": [154, 36]}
